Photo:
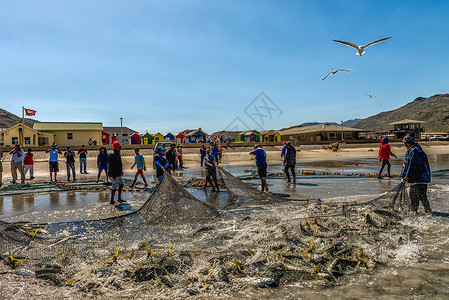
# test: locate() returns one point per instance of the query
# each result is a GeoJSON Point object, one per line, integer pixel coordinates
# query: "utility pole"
{"type": "Point", "coordinates": [342, 133]}
{"type": "Point", "coordinates": [121, 130]}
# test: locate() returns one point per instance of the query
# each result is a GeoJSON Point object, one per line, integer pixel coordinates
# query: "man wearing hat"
{"type": "Point", "coordinates": [115, 172]}
{"type": "Point", "coordinates": [161, 163]}
{"type": "Point", "coordinates": [16, 164]}
{"type": "Point", "coordinates": [416, 171]}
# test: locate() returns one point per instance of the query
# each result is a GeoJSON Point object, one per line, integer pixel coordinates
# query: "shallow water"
{"type": "Point", "coordinates": [418, 269]}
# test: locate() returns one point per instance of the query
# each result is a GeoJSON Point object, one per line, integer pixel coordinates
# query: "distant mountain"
{"type": "Point", "coordinates": [8, 119]}
{"type": "Point", "coordinates": [351, 123]}
{"type": "Point", "coordinates": [317, 123]}
{"type": "Point", "coordinates": [433, 110]}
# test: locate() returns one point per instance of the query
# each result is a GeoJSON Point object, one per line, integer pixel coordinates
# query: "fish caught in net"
{"type": "Point", "coordinates": [178, 242]}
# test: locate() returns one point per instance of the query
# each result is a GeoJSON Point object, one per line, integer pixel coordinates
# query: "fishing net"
{"type": "Point", "coordinates": [248, 246]}
{"type": "Point", "coordinates": [440, 173]}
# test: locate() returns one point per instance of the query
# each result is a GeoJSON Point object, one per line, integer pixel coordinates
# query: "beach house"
{"type": "Point", "coordinates": [147, 139]}
{"type": "Point", "coordinates": [114, 133]}
{"type": "Point", "coordinates": [158, 137]}
{"type": "Point", "coordinates": [407, 126]}
{"type": "Point", "coordinates": [134, 139]}
{"type": "Point", "coordinates": [248, 136]}
{"type": "Point", "coordinates": [320, 132]}
{"type": "Point", "coordinates": [71, 133]}
{"type": "Point", "coordinates": [180, 138]}
{"type": "Point", "coordinates": [25, 136]}
{"type": "Point", "coordinates": [225, 136]}
{"type": "Point", "coordinates": [169, 137]}
{"type": "Point", "coordinates": [196, 136]}
{"type": "Point", "coordinates": [270, 136]}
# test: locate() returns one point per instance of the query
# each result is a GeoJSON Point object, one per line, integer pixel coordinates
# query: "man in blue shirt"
{"type": "Point", "coordinates": [216, 153]}
{"type": "Point", "coordinates": [261, 163]}
{"type": "Point", "coordinates": [53, 161]}
{"type": "Point", "coordinates": [161, 163]}
{"type": "Point", "coordinates": [416, 171]}
{"type": "Point", "coordinates": [141, 166]}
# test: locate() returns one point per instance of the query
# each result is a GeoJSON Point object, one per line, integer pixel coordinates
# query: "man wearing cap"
{"type": "Point", "coordinates": [416, 171]}
{"type": "Point", "coordinates": [115, 172]}
{"type": "Point", "coordinates": [384, 156]}
{"type": "Point", "coordinates": [53, 161]}
{"type": "Point", "coordinates": [16, 164]}
{"type": "Point", "coordinates": [161, 163]}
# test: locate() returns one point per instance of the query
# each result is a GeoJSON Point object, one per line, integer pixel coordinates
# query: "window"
{"type": "Point", "coordinates": [125, 134]}
{"type": "Point", "coordinates": [14, 140]}
{"type": "Point", "coordinates": [70, 136]}
{"type": "Point", "coordinates": [27, 140]}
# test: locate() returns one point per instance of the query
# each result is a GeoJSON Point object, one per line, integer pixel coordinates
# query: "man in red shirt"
{"type": "Point", "coordinates": [28, 164]}
{"type": "Point", "coordinates": [384, 156]}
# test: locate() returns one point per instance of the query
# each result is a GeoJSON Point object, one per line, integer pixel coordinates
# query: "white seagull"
{"type": "Point", "coordinates": [361, 49]}
{"type": "Point", "coordinates": [335, 71]}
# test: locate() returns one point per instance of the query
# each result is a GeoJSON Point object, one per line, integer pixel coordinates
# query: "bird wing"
{"type": "Point", "coordinates": [339, 70]}
{"type": "Point", "coordinates": [326, 76]}
{"type": "Point", "coordinates": [347, 44]}
{"type": "Point", "coordinates": [375, 42]}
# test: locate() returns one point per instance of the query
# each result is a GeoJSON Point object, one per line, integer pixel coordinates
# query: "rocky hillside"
{"type": "Point", "coordinates": [433, 110]}
{"type": "Point", "coordinates": [8, 119]}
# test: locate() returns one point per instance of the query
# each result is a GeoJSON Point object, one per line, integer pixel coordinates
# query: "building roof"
{"type": "Point", "coordinates": [318, 129]}
{"type": "Point", "coordinates": [407, 121]}
{"type": "Point", "coordinates": [126, 130]}
{"type": "Point", "coordinates": [224, 132]}
{"type": "Point", "coordinates": [55, 126]}
{"type": "Point", "coordinates": [249, 132]}
{"type": "Point", "coordinates": [195, 132]}
{"type": "Point", "coordinates": [32, 129]}
{"type": "Point", "coordinates": [170, 134]}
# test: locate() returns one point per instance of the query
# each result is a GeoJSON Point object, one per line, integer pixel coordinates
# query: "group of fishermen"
{"type": "Point", "coordinates": [415, 168]}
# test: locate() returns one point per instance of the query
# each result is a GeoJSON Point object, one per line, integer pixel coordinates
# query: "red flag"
{"type": "Point", "coordinates": [29, 112]}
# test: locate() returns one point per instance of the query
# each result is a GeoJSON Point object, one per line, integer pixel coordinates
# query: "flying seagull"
{"type": "Point", "coordinates": [335, 71]}
{"type": "Point", "coordinates": [361, 49]}
{"type": "Point", "coordinates": [371, 97]}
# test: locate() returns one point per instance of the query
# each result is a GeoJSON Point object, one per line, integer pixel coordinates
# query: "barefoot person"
{"type": "Point", "coordinates": [28, 164]}
{"type": "Point", "coordinates": [290, 162]}
{"type": "Point", "coordinates": [211, 171]}
{"type": "Point", "coordinates": [102, 163]}
{"type": "Point", "coordinates": [261, 163]}
{"type": "Point", "coordinates": [416, 171]}
{"type": "Point", "coordinates": [16, 164]}
{"type": "Point", "coordinates": [161, 163]}
{"type": "Point", "coordinates": [139, 161]}
{"type": "Point", "coordinates": [70, 162]}
{"type": "Point", "coordinates": [53, 161]}
{"type": "Point", "coordinates": [116, 172]}
{"type": "Point", "coordinates": [384, 156]}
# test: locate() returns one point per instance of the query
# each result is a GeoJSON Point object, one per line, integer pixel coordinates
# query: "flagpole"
{"type": "Point", "coordinates": [23, 127]}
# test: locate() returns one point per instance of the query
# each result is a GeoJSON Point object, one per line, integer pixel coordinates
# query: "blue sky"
{"type": "Point", "coordinates": [171, 65]}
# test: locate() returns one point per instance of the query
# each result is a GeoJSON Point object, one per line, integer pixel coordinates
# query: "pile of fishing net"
{"type": "Point", "coordinates": [177, 242]}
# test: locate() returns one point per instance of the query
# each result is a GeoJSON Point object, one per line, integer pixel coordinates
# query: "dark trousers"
{"type": "Point", "coordinates": [292, 169]}
{"type": "Point", "coordinates": [211, 178]}
{"type": "Point", "coordinates": [172, 165]}
{"type": "Point", "coordinates": [418, 192]}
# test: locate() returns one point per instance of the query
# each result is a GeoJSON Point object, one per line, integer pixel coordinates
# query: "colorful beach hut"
{"type": "Point", "coordinates": [180, 138]}
{"type": "Point", "coordinates": [158, 137]}
{"type": "Point", "coordinates": [169, 137]}
{"type": "Point", "coordinates": [134, 139]}
{"type": "Point", "coordinates": [147, 139]}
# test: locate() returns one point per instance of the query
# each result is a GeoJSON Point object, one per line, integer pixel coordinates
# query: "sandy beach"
{"type": "Point", "coordinates": [231, 156]}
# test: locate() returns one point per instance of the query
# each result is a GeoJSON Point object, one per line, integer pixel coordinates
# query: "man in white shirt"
{"type": "Point", "coordinates": [16, 164]}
